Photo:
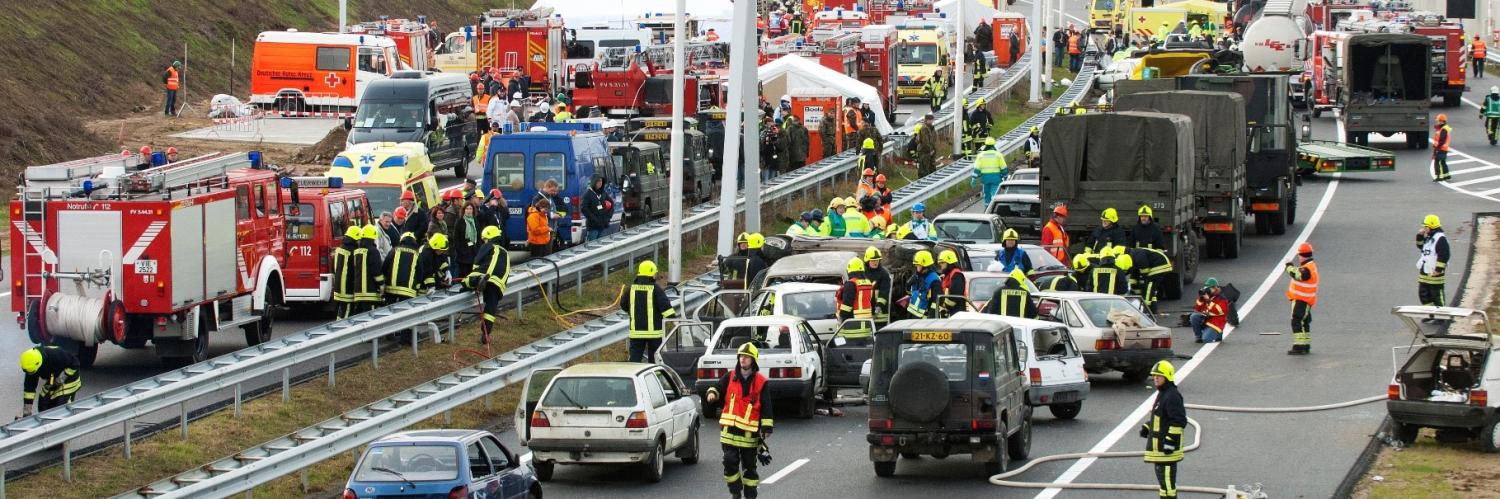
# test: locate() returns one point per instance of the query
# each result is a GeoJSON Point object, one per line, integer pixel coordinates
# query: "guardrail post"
{"type": "Point", "coordinates": [414, 338]}
{"type": "Point", "coordinates": [452, 323]}
{"type": "Point", "coordinates": [304, 476]}
{"type": "Point", "coordinates": [182, 418]}
{"type": "Point", "coordinates": [375, 353]}
{"type": "Point", "coordinates": [489, 405]}
{"type": "Point", "coordinates": [125, 426]}
{"type": "Point", "coordinates": [68, 461]}
{"type": "Point", "coordinates": [448, 417]}
{"type": "Point", "coordinates": [578, 285]}
{"type": "Point", "coordinates": [331, 370]}
{"type": "Point", "coordinates": [520, 310]}
{"type": "Point", "coordinates": [237, 400]}
{"type": "Point", "coordinates": [286, 384]}
{"type": "Point", "coordinates": [606, 269]}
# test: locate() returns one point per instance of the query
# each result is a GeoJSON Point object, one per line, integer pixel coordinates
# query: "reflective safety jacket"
{"type": "Point", "coordinates": [1304, 285]}
{"type": "Point", "coordinates": [343, 279]}
{"type": "Point", "coordinates": [58, 376]}
{"type": "Point", "coordinates": [401, 268]}
{"type": "Point", "coordinates": [1491, 106]}
{"type": "Point", "coordinates": [1011, 300]}
{"type": "Point", "coordinates": [365, 262]}
{"type": "Point", "coordinates": [491, 266]}
{"type": "Point", "coordinates": [920, 230]}
{"type": "Point", "coordinates": [741, 269]}
{"type": "Point", "coordinates": [954, 284]}
{"type": "Point", "coordinates": [744, 411]}
{"type": "Point", "coordinates": [989, 162]}
{"type": "Point", "coordinates": [1149, 262]}
{"type": "Point", "coordinates": [1165, 428]}
{"type": "Point", "coordinates": [856, 298]}
{"type": "Point", "coordinates": [1106, 278]}
{"type": "Point", "coordinates": [1434, 259]}
{"type": "Point", "coordinates": [1056, 241]}
{"type": "Point", "coordinates": [1064, 282]}
{"type": "Point", "coordinates": [648, 307]}
{"type": "Point", "coordinates": [922, 290]}
{"type": "Point", "coordinates": [882, 281]}
{"type": "Point", "coordinates": [855, 223]}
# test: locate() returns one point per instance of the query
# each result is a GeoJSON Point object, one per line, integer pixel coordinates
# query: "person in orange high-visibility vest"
{"type": "Point", "coordinates": [172, 81]}
{"type": "Point", "coordinates": [1477, 54]}
{"type": "Point", "coordinates": [1075, 51]}
{"type": "Point", "coordinates": [481, 108]}
{"type": "Point", "coordinates": [745, 419]}
{"type": "Point", "coordinates": [1054, 238]}
{"type": "Point", "coordinates": [1442, 138]}
{"type": "Point", "coordinates": [1303, 293]}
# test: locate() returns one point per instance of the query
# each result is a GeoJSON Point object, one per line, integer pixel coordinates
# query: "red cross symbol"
{"type": "Point", "coordinates": [1141, 19]}
{"type": "Point", "coordinates": [332, 80]}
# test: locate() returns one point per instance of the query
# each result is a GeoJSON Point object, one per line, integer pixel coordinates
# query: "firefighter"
{"type": "Point", "coordinates": [401, 269]}
{"type": "Point", "coordinates": [1108, 273]}
{"type": "Point", "coordinates": [1058, 282]}
{"type": "Point", "coordinates": [1147, 233]}
{"type": "Point", "coordinates": [1010, 256]}
{"type": "Point", "coordinates": [1033, 145]}
{"type": "Point", "coordinates": [1440, 143]}
{"type": "Point", "coordinates": [1055, 238]}
{"type": "Point", "coordinates": [739, 269]}
{"type": "Point", "coordinates": [979, 69]}
{"type": "Point", "coordinates": [1109, 232]}
{"type": "Point", "coordinates": [954, 285]}
{"type": "Point", "coordinates": [1302, 291]}
{"type": "Point", "coordinates": [648, 306]}
{"type": "Point", "coordinates": [1149, 270]}
{"type": "Point", "coordinates": [1012, 299]}
{"type": "Point", "coordinates": [856, 300]}
{"type": "Point", "coordinates": [1490, 111]}
{"type": "Point", "coordinates": [432, 263]}
{"type": "Point", "coordinates": [1210, 313]}
{"type": "Point", "coordinates": [979, 123]}
{"type": "Point", "coordinates": [876, 273]}
{"type": "Point", "coordinates": [922, 287]}
{"type": "Point", "coordinates": [367, 261]}
{"type": "Point", "coordinates": [745, 420]}
{"type": "Point", "coordinates": [989, 169]}
{"type": "Point", "coordinates": [1081, 264]}
{"type": "Point", "coordinates": [933, 89]}
{"type": "Point", "coordinates": [56, 371]}
{"type": "Point", "coordinates": [868, 159]}
{"type": "Point", "coordinates": [491, 270]}
{"type": "Point", "coordinates": [919, 227]}
{"type": "Point", "coordinates": [1163, 432]}
{"type": "Point", "coordinates": [924, 147]}
{"type": "Point", "coordinates": [856, 224]}
{"type": "Point", "coordinates": [1432, 264]}
{"type": "Point", "coordinates": [345, 278]}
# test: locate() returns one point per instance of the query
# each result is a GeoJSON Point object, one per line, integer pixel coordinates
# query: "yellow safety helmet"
{"type": "Point", "coordinates": [989, 141]}
{"type": "Point", "coordinates": [948, 257]}
{"type": "Point", "coordinates": [1124, 262]}
{"type": "Point", "coordinates": [647, 268]}
{"type": "Point", "coordinates": [756, 240]}
{"type": "Point", "coordinates": [1431, 222]}
{"type": "Point", "coordinates": [979, 101]}
{"type": "Point", "coordinates": [878, 222]}
{"type": "Point", "coordinates": [1081, 261]}
{"type": "Point", "coordinates": [438, 242]}
{"type": "Point", "coordinates": [1018, 275]}
{"type": "Point", "coordinates": [489, 233]}
{"type": "Point", "coordinates": [869, 143]}
{"type": "Point", "coordinates": [743, 238]}
{"type": "Point", "coordinates": [370, 232]}
{"type": "Point", "coordinates": [837, 201]}
{"type": "Point", "coordinates": [1035, 129]}
{"type": "Point", "coordinates": [856, 265]}
{"type": "Point", "coordinates": [1011, 235]}
{"type": "Point", "coordinates": [353, 232]}
{"type": "Point", "coordinates": [1143, 211]}
{"type": "Point", "coordinates": [749, 350]}
{"type": "Point", "coordinates": [872, 253]}
{"type": "Point", "coordinates": [1119, 250]}
{"type": "Point", "coordinates": [1163, 369]}
{"type": "Point", "coordinates": [922, 258]}
{"type": "Point", "coordinates": [31, 360]}
{"type": "Point", "coordinates": [1109, 214]}
{"type": "Point", "coordinates": [850, 202]}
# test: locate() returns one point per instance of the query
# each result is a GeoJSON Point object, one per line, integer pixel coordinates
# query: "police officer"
{"type": "Point", "coordinates": [491, 270]}
{"type": "Point", "coordinates": [649, 307]}
{"type": "Point", "coordinates": [1147, 233]}
{"type": "Point", "coordinates": [1012, 299]}
{"type": "Point", "coordinates": [366, 260]}
{"type": "Point", "coordinates": [401, 269]}
{"type": "Point", "coordinates": [954, 285]}
{"type": "Point", "coordinates": [989, 169]}
{"type": "Point", "coordinates": [876, 273]}
{"type": "Point", "coordinates": [1109, 232]}
{"type": "Point", "coordinates": [56, 371]}
{"type": "Point", "coordinates": [1302, 291]}
{"type": "Point", "coordinates": [1163, 432]}
{"type": "Point", "coordinates": [922, 287]}
{"type": "Point", "coordinates": [345, 277]}
{"type": "Point", "coordinates": [856, 300]}
{"type": "Point", "coordinates": [1432, 265]}
{"type": "Point", "coordinates": [745, 420]}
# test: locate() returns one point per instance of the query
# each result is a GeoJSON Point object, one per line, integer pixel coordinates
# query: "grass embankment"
{"type": "Point", "coordinates": [221, 434]}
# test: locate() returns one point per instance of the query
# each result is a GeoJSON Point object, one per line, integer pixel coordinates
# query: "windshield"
{"type": "Point", "coordinates": [983, 288]}
{"type": "Point", "coordinates": [917, 53]}
{"type": "Point", "coordinates": [814, 305]}
{"type": "Point", "coordinates": [1019, 188]}
{"type": "Point", "coordinates": [1042, 260]}
{"type": "Point", "coordinates": [590, 392]}
{"type": "Point", "coordinates": [300, 222]}
{"type": "Point", "coordinates": [765, 337]}
{"type": "Point", "coordinates": [1016, 209]}
{"type": "Point", "coordinates": [381, 197]}
{"type": "Point", "coordinates": [417, 463]}
{"type": "Point", "coordinates": [390, 115]}
{"type": "Point", "coordinates": [1098, 311]}
{"type": "Point", "coordinates": [965, 230]}
{"type": "Point", "coordinates": [1104, 4]}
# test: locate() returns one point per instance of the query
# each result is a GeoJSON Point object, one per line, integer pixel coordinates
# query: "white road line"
{"type": "Point", "coordinates": [1490, 192]}
{"type": "Point", "coordinates": [784, 471]}
{"type": "Point", "coordinates": [1133, 420]}
{"type": "Point", "coordinates": [1479, 180]}
{"type": "Point", "coordinates": [1473, 170]}
{"type": "Point", "coordinates": [1462, 161]}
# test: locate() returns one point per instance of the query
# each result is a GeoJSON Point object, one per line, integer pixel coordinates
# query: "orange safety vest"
{"type": "Point", "coordinates": [864, 299]}
{"type": "Point", "coordinates": [1444, 138]}
{"type": "Point", "coordinates": [481, 103]}
{"type": "Point", "coordinates": [171, 78]}
{"type": "Point", "coordinates": [1073, 45]}
{"type": "Point", "coordinates": [742, 410]}
{"type": "Point", "coordinates": [1478, 52]}
{"type": "Point", "coordinates": [1054, 235]}
{"type": "Point", "coordinates": [1305, 291]}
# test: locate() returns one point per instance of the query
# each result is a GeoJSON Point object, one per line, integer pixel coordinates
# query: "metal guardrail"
{"type": "Point", "coordinates": [309, 446]}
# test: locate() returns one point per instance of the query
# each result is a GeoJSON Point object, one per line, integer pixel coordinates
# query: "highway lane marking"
{"type": "Point", "coordinates": [784, 471]}
{"type": "Point", "coordinates": [1130, 422]}
{"type": "Point", "coordinates": [1479, 180]}
{"type": "Point", "coordinates": [1467, 171]}
{"type": "Point", "coordinates": [1462, 161]}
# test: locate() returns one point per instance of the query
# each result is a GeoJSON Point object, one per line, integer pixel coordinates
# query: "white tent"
{"type": "Point", "coordinates": [795, 72]}
{"type": "Point", "coordinates": [974, 11]}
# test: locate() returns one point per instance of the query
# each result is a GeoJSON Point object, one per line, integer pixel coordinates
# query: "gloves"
{"type": "Point", "coordinates": [765, 433]}
{"type": "Point", "coordinates": [1145, 432]}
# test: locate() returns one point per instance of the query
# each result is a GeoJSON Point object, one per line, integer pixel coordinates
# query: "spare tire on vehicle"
{"type": "Point", "coordinates": [919, 392]}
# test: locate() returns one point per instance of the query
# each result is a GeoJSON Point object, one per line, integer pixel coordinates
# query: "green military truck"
{"type": "Point", "coordinates": [643, 179]}
{"type": "Point", "coordinates": [1123, 160]}
{"type": "Point", "coordinates": [698, 174]}
{"type": "Point", "coordinates": [1386, 86]}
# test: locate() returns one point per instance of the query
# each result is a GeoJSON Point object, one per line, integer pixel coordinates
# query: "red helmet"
{"type": "Point", "coordinates": [880, 179]}
{"type": "Point", "coordinates": [408, 196]}
{"type": "Point", "coordinates": [171, 151]}
{"type": "Point", "coordinates": [145, 150]}
{"type": "Point", "coordinates": [869, 172]}
{"type": "Point", "coordinates": [400, 213]}
{"type": "Point", "coordinates": [495, 193]}
{"type": "Point", "coordinates": [1305, 248]}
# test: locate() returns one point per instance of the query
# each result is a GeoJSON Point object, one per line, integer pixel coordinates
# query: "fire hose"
{"type": "Point", "coordinates": [1001, 479]}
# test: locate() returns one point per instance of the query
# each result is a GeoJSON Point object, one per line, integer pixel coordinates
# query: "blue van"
{"type": "Point", "coordinates": [518, 164]}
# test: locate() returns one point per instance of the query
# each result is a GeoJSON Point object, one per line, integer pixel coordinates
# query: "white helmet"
{"type": "Point", "coordinates": [786, 98]}
{"type": "Point", "coordinates": [517, 96]}
{"type": "Point", "coordinates": [1494, 90]}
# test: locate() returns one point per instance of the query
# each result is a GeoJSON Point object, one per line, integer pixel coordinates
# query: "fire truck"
{"type": "Point", "coordinates": [630, 83]}
{"type": "Point", "coordinates": [1326, 16]}
{"type": "Point", "coordinates": [832, 22]}
{"type": "Point", "coordinates": [1322, 92]}
{"type": "Point", "coordinates": [839, 53]}
{"type": "Point", "coordinates": [877, 67]}
{"type": "Point", "coordinates": [114, 249]}
{"type": "Point", "coordinates": [1449, 71]}
{"type": "Point", "coordinates": [822, 5]}
{"type": "Point", "coordinates": [318, 210]}
{"type": "Point", "coordinates": [529, 42]}
{"type": "Point", "coordinates": [895, 11]}
{"type": "Point", "coordinates": [412, 39]}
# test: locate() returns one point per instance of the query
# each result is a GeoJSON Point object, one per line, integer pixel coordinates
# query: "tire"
{"type": "Point", "coordinates": [919, 392]}
{"type": "Point", "coordinates": [461, 170]}
{"type": "Point", "coordinates": [690, 451]}
{"type": "Point", "coordinates": [1452, 99]}
{"type": "Point", "coordinates": [1018, 446]}
{"type": "Point", "coordinates": [1291, 207]}
{"type": "Point", "coordinates": [544, 470]}
{"type": "Point", "coordinates": [1211, 247]}
{"type": "Point", "coordinates": [87, 354]}
{"type": "Point", "coordinates": [807, 407]}
{"type": "Point", "coordinates": [198, 352]}
{"type": "Point", "coordinates": [1172, 288]}
{"type": "Point", "coordinates": [1002, 458]}
{"type": "Point", "coordinates": [885, 469]}
{"type": "Point", "coordinates": [1317, 113]}
{"type": "Point", "coordinates": [1230, 244]}
{"type": "Point", "coordinates": [1489, 438]}
{"type": "Point", "coordinates": [1406, 433]}
{"type": "Point", "coordinates": [1067, 411]}
{"type": "Point", "coordinates": [260, 331]}
{"type": "Point", "coordinates": [534, 493]}
{"type": "Point", "coordinates": [1263, 223]}
{"type": "Point", "coordinates": [1136, 375]}
{"type": "Point", "coordinates": [1421, 140]}
{"type": "Point", "coordinates": [909, 455]}
{"type": "Point", "coordinates": [34, 322]}
{"type": "Point", "coordinates": [656, 464]}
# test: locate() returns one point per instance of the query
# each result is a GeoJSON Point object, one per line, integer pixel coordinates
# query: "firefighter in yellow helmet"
{"type": "Point", "coordinates": [954, 287]}
{"type": "Point", "coordinates": [1432, 263]}
{"type": "Point", "coordinates": [345, 274]}
{"type": "Point", "coordinates": [876, 273]}
{"type": "Point", "coordinates": [649, 307]}
{"type": "Point", "coordinates": [742, 267]}
{"type": "Point", "coordinates": [403, 278]}
{"type": "Point", "coordinates": [923, 286]}
{"type": "Point", "coordinates": [1147, 233]}
{"type": "Point", "coordinates": [856, 300]}
{"type": "Point", "coordinates": [745, 419]}
{"type": "Point", "coordinates": [1109, 232]}
{"type": "Point", "coordinates": [366, 261]}
{"type": "Point", "coordinates": [869, 157]}
{"type": "Point", "coordinates": [1012, 298]}
{"type": "Point", "coordinates": [1164, 431]}
{"type": "Point", "coordinates": [52, 369]}
{"type": "Point", "coordinates": [432, 263]}
{"type": "Point", "coordinates": [491, 270]}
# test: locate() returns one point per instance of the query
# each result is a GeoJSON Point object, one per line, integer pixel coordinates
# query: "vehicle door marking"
{"type": "Point", "coordinates": [147, 237]}
{"type": "Point", "coordinates": [36, 242]}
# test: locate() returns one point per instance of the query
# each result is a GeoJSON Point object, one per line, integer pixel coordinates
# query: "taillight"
{"type": "Point", "coordinates": [982, 424]}
{"type": "Point", "coordinates": [1036, 376]}
{"type": "Point", "coordinates": [1161, 343]}
{"type": "Point", "coordinates": [1393, 392]}
{"type": "Point", "coordinates": [539, 420]}
{"type": "Point", "coordinates": [349, 494]}
{"type": "Point", "coordinates": [637, 420]}
{"type": "Point", "coordinates": [710, 373]}
{"type": "Point", "coordinates": [459, 492]}
{"type": "Point", "coordinates": [323, 259]}
{"type": "Point", "coordinates": [880, 424]}
{"type": "Point", "coordinates": [1106, 345]}
{"type": "Point", "coordinates": [1479, 397]}
{"type": "Point", "coordinates": [786, 372]}
{"type": "Point", "coordinates": [577, 208]}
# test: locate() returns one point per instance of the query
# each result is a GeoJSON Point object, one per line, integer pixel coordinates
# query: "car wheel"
{"type": "Point", "coordinates": [259, 331]}
{"type": "Point", "coordinates": [1489, 439]}
{"type": "Point", "coordinates": [1001, 461]}
{"type": "Point", "coordinates": [906, 454]}
{"type": "Point", "coordinates": [1066, 411]}
{"type": "Point", "coordinates": [885, 468]}
{"type": "Point", "coordinates": [534, 493]}
{"type": "Point", "coordinates": [1019, 445]}
{"type": "Point", "coordinates": [1136, 375]}
{"type": "Point", "coordinates": [1407, 433]}
{"type": "Point", "coordinates": [689, 451]}
{"type": "Point", "coordinates": [655, 464]}
{"type": "Point", "coordinates": [544, 470]}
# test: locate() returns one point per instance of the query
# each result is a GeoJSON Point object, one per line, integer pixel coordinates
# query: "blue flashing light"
{"type": "Point", "coordinates": [286, 182]}
{"type": "Point", "coordinates": [336, 182]}
{"type": "Point", "coordinates": [88, 186]}
{"type": "Point", "coordinates": [255, 159]}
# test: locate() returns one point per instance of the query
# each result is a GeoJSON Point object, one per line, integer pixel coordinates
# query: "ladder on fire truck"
{"type": "Point", "coordinates": [489, 50]}
{"type": "Point", "coordinates": [202, 171]}
{"type": "Point", "coordinates": [40, 184]}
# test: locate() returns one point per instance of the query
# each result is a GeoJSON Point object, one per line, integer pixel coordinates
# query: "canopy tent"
{"type": "Point", "coordinates": [974, 12]}
{"type": "Point", "coordinates": [789, 73]}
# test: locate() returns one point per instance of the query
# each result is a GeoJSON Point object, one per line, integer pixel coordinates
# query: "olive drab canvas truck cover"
{"type": "Point", "coordinates": [1219, 152]}
{"type": "Point", "coordinates": [1387, 86]}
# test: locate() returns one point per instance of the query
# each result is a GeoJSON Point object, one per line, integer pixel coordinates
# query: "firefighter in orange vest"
{"type": "Point", "coordinates": [856, 300]}
{"type": "Point", "coordinates": [481, 108]}
{"type": "Point", "coordinates": [1303, 293]}
{"type": "Point", "coordinates": [1477, 54]}
{"type": "Point", "coordinates": [744, 420]}
{"type": "Point", "coordinates": [172, 82]}
{"type": "Point", "coordinates": [1054, 238]}
{"type": "Point", "coordinates": [1441, 139]}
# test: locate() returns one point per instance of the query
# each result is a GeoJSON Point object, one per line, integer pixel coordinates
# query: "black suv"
{"type": "Point", "coordinates": [948, 386]}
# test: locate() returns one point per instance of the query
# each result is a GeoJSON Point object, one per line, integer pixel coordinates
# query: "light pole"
{"type": "Point", "coordinates": [679, 87]}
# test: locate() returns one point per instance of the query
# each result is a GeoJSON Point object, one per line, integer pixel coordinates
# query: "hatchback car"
{"type": "Point", "coordinates": [1132, 348]}
{"type": "Point", "coordinates": [969, 227]}
{"type": "Point", "coordinates": [1446, 381]}
{"type": "Point", "coordinates": [790, 357]}
{"type": "Point", "coordinates": [441, 463]}
{"type": "Point", "coordinates": [1054, 366]}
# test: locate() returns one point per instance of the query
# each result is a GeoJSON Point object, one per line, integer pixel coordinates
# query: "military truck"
{"type": "Point", "coordinates": [643, 178]}
{"type": "Point", "coordinates": [1219, 153]}
{"type": "Point", "coordinates": [698, 174]}
{"type": "Point", "coordinates": [1386, 86]}
{"type": "Point", "coordinates": [1123, 160]}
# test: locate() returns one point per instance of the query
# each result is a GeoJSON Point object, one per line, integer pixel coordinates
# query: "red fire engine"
{"type": "Point", "coordinates": [529, 42]}
{"type": "Point", "coordinates": [169, 254]}
{"type": "Point", "coordinates": [882, 11]}
{"type": "Point", "coordinates": [822, 5]}
{"type": "Point", "coordinates": [839, 53]}
{"type": "Point", "coordinates": [877, 66]}
{"type": "Point", "coordinates": [318, 210]}
{"type": "Point", "coordinates": [1328, 15]}
{"type": "Point", "coordinates": [1323, 94]}
{"type": "Point", "coordinates": [831, 22]}
{"type": "Point", "coordinates": [411, 37]}
{"type": "Point", "coordinates": [627, 83]}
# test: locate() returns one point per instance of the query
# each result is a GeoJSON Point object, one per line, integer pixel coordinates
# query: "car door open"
{"type": "Point", "coordinates": [531, 393]}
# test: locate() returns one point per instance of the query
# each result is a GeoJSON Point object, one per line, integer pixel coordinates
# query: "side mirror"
{"type": "Point", "coordinates": [348, 123]}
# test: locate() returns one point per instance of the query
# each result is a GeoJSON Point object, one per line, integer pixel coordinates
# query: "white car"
{"type": "Point", "coordinates": [608, 413]}
{"type": "Point", "coordinates": [815, 303]}
{"type": "Point", "coordinates": [1445, 382]}
{"type": "Point", "coordinates": [1053, 363]}
{"type": "Point", "coordinates": [1019, 210]}
{"type": "Point", "coordinates": [1027, 185]}
{"type": "Point", "coordinates": [1132, 348]}
{"type": "Point", "coordinates": [790, 357]}
{"type": "Point", "coordinates": [969, 227]}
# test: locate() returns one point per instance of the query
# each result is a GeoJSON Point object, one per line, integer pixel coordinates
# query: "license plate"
{"type": "Point", "coordinates": [932, 336]}
{"type": "Point", "coordinates": [145, 266]}
{"type": "Point", "coordinates": [1065, 397]}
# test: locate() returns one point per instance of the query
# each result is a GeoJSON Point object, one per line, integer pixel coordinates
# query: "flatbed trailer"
{"type": "Point", "coordinates": [1321, 156]}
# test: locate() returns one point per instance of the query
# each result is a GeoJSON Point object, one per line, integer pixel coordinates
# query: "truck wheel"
{"type": "Point", "coordinates": [1407, 434]}
{"type": "Point", "coordinates": [1452, 99]}
{"type": "Point", "coordinates": [1211, 248]}
{"type": "Point", "coordinates": [1066, 411]}
{"type": "Point", "coordinates": [885, 468]}
{"type": "Point", "coordinates": [461, 170]}
{"type": "Point", "coordinates": [1489, 439]}
{"type": "Point", "coordinates": [1172, 287]}
{"type": "Point", "coordinates": [34, 322]}
{"type": "Point", "coordinates": [259, 331]}
{"type": "Point", "coordinates": [1230, 244]}
{"type": "Point", "coordinates": [906, 454]}
{"type": "Point", "coordinates": [1018, 446]}
{"type": "Point", "coordinates": [1291, 207]}
{"type": "Point", "coordinates": [1421, 140]}
{"type": "Point", "coordinates": [1278, 220]}
{"type": "Point", "coordinates": [1001, 461]}
{"type": "Point", "coordinates": [87, 354]}
{"type": "Point", "coordinates": [1263, 223]}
